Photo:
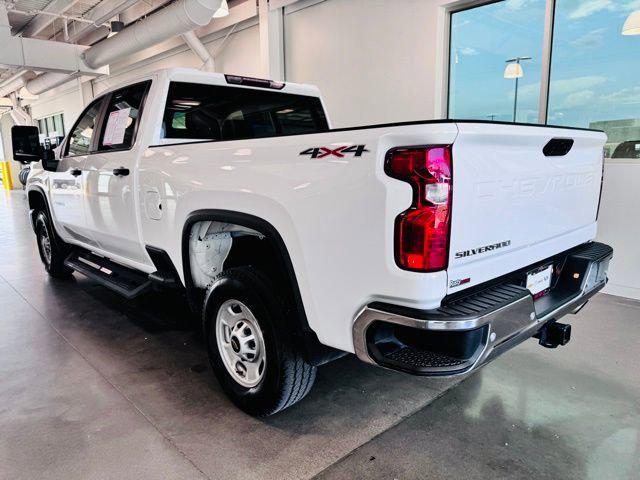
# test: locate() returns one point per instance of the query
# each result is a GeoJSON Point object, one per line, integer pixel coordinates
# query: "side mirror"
{"type": "Point", "coordinates": [26, 144]}
{"type": "Point", "coordinates": [27, 148]}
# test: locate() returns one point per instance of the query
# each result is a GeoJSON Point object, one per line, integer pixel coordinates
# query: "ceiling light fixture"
{"type": "Point", "coordinates": [222, 11]}
{"type": "Point", "coordinates": [513, 70]}
{"type": "Point", "coordinates": [632, 24]}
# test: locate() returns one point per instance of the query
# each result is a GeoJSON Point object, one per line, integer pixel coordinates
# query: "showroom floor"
{"type": "Point", "coordinates": [93, 386]}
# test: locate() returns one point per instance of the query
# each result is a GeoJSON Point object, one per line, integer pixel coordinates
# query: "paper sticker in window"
{"type": "Point", "coordinates": [116, 127]}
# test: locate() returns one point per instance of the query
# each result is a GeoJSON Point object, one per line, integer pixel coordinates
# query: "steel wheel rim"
{"type": "Point", "coordinates": [240, 343]}
{"type": "Point", "coordinates": [45, 245]}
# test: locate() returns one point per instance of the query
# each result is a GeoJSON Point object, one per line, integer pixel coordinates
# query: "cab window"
{"type": "Point", "coordinates": [214, 112]}
{"type": "Point", "coordinates": [83, 131]}
{"type": "Point", "coordinates": [122, 117]}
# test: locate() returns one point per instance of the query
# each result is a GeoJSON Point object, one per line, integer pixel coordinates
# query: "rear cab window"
{"type": "Point", "coordinates": [217, 113]}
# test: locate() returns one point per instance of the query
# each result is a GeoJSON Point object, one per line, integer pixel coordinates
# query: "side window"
{"type": "Point", "coordinates": [216, 112]}
{"type": "Point", "coordinates": [82, 133]}
{"type": "Point", "coordinates": [122, 117]}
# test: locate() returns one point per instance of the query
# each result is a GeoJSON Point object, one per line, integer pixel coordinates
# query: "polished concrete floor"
{"type": "Point", "coordinates": [95, 387]}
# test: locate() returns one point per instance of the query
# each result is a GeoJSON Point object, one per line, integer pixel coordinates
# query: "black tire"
{"type": "Point", "coordinates": [52, 257]}
{"type": "Point", "coordinates": [287, 377]}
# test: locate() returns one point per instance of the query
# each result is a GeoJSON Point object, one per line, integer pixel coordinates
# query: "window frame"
{"type": "Point", "coordinates": [67, 140]}
{"type": "Point", "coordinates": [547, 44]}
{"type": "Point", "coordinates": [95, 141]}
{"type": "Point", "coordinates": [103, 116]}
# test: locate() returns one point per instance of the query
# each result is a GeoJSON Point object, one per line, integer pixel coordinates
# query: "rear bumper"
{"type": "Point", "coordinates": [471, 329]}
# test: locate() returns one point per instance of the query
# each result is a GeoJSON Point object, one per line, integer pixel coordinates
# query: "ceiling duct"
{"type": "Point", "coordinates": [47, 81]}
{"type": "Point", "coordinates": [197, 47]}
{"type": "Point", "coordinates": [178, 18]}
{"type": "Point", "coordinates": [15, 83]}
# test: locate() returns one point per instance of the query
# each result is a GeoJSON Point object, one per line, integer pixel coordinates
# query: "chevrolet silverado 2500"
{"type": "Point", "coordinates": [426, 247]}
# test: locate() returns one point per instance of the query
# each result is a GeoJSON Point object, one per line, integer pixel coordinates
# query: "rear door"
{"type": "Point", "coordinates": [520, 194]}
{"type": "Point", "coordinates": [111, 171]}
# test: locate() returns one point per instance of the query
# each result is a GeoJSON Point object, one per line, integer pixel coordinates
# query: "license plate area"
{"type": "Point", "coordinates": [538, 280]}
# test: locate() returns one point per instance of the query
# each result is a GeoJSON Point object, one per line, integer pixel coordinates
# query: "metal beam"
{"type": "Point", "coordinates": [101, 13]}
{"type": "Point", "coordinates": [42, 20]}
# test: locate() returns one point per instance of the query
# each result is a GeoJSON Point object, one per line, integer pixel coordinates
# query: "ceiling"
{"type": "Point", "coordinates": [19, 21]}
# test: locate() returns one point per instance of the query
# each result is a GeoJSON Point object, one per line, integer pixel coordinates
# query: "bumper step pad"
{"type": "Point", "coordinates": [422, 359]}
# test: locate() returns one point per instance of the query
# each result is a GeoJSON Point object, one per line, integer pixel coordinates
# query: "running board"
{"type": "Point", "coordinates": [127, 282]}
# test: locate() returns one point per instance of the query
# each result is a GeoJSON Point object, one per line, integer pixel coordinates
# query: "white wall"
{"type": "Point", "coordinates": [619, 225]}
{"type": "Point", "coordinates": [375, 61]}
{"type": "Point", "coordinates": [66, 99]}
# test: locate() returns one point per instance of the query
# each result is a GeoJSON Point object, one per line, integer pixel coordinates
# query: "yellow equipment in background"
{"type": "Point", "coordinates": [6, 175]}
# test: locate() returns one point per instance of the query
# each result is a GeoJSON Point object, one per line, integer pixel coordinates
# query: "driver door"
{"type": "Point", "coordinates": [67, 185]}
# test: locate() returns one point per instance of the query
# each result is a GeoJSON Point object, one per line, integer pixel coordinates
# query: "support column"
{"type": "Point", "coordinates": [271, 24]}
{"type": "Point", "coordinates": [546, 61]}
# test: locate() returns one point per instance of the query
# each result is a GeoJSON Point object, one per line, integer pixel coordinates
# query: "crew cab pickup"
{"type": "Point", "coordinates": [428, 247]}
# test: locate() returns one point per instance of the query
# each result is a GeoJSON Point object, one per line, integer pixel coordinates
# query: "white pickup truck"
{"type": "Point", "coordinates": [427, 247]}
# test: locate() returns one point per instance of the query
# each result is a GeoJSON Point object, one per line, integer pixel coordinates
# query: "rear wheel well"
{"type": "Point", "coordinates": [216, 240]}
{"type": "Point", "coordinates": [214, 246]}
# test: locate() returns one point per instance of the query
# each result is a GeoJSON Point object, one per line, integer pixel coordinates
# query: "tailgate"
{"type": "Point", "coordinates": [512, 204]}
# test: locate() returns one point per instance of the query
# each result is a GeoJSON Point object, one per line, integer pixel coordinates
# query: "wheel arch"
{"type": "Point", "coordinates": [38, 200]}
{"type": "Point", "coordinates": [315, 352]}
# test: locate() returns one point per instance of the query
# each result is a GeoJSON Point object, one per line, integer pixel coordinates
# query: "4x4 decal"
{"type": "Point", "coordinates": [321, 152]}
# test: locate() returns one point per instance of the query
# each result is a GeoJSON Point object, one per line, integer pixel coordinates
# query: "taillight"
{"type": "Point", "coordinates": [422, 231]}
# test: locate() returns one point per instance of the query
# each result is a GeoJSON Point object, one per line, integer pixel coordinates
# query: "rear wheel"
{"type": "Point", "coordinates": [52, 250]}
{"type": "Point", "coordinates": [252, 357]}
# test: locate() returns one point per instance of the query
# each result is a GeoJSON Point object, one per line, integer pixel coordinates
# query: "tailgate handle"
{"type": "Point", "coordinates": [557, 147]}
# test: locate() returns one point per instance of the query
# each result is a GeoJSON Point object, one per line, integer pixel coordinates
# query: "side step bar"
{"type": "Point", "coordinates": [127, 282]}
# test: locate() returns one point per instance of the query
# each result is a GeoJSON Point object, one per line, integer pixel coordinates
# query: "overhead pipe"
{"type": "Point", "coordinates": [47, 81]}
{"type": "Point", "coordinates": [197, 47]}
{"type": "Point", "coordinates": [176, 19]}
{"type": "Point", "coordinates": [17, 113]}
{"type": "Point", "coordinates": [15, 83]}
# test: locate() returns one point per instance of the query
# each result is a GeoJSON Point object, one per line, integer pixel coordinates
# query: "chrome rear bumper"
{"type": "Point", "coordinates": [472, 329]}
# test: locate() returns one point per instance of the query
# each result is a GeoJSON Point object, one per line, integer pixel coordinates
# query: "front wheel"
{"type": "Point", "coordinates": [51, 249]}
{"type": "Point", "coordinates": [257, 366]}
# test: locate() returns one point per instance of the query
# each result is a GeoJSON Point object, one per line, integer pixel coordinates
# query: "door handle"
{"type": "Point", "coordinates": [75, 172]}
{"type": "Point", "coordinates": [121, 172]}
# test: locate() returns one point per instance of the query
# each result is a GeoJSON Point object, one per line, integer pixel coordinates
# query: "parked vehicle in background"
{"type": "Point", "coordinates": [426, 247]}
{"type": "Point", "coordinates": [629, 149]}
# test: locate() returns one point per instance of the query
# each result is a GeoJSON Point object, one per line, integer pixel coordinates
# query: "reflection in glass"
{"type": "Point", "coordinates": [482, 40]}
{"type": "Point", "coordinates": [595, 72]}
{"type": "Point", "coordinates": [80, 139]}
